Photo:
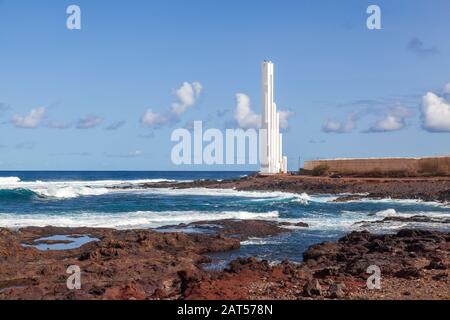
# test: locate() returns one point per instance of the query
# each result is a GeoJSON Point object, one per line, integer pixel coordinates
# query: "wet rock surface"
{"type": "Point", "coordinates": [148, 264]}
{"type": "Point", "coordinates": [240, 229]}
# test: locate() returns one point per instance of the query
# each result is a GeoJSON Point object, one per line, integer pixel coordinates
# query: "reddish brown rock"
{"type": "Point", "coordinates": [125, 264]}
{"type": "Point", "coordinates": [339, 271]}
{"type": "Point", "coordinates": [145, 264]}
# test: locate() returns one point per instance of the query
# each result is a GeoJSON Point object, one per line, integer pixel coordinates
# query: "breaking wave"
{"type": "Point", "coordinates": [69, 192]}
{"type": "Point", "coordinates": [401, 202]}
{"type": "Point", "coordinates": [14, 188]}
{"type": "Point", "coordinates": [9, 180]}
{"type": "Point", "coordinates": [254, 196]}
{"type": "Point", "coordinates": [133, 220]}
{"type": "Point", "coordinates": [394, 213]}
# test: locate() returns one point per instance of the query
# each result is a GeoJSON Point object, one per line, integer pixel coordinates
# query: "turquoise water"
{"type": "Point", "coordinates": [115, 200]}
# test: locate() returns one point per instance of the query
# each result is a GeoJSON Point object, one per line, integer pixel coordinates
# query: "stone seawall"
{"type": "Point", "coordinates": [425, 166]}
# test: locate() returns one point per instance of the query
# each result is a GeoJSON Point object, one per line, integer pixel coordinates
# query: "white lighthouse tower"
{"type": "Point", "coordinates": [271, 140]}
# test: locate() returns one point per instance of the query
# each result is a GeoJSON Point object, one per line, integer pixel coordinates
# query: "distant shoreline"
{"type": "Point", "coordinates": [420, 188]}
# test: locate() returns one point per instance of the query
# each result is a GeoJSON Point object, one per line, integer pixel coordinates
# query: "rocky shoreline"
{"type": "Point", "coordinates": [423, 188]}
{"type": "Point", "coordinates": [151, 264]}
{"type": "Point", "coordinates": [168, 262]}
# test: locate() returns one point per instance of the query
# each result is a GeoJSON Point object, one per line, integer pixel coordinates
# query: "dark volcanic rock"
{"type": "Point", "coordinates": [408, 273]}
{"type": "Point", "coordinates": [241, 229]}
{"type": "Point", "coordinates": [312, 288]}
{"type": "Point", "coordinates": [325, 250]}
{"type": "Point", "coordinates": [337, 291]}
{"type": "Point", "coordinates": [402, 255]}
{"type": "Point", "coordinates": [251, 263]}
{"type": "Point", "coordinates": [339, 270]}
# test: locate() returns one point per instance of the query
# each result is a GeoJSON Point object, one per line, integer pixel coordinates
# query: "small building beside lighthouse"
{"type": "Point", "coordinates": [271, 140]}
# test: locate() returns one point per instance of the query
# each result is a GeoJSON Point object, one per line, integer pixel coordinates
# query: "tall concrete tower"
{"type": "Point", "coordinates": [271, 140]}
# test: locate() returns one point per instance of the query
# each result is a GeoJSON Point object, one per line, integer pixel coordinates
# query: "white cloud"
{"type": "Point", "coordinates": [245, 117]}
{"type": "Point", "coordinates": [187, 95]}
{"type": "Point", "coordinates": [394, 120]}
{"type": "Point", "coordinates": [153, 119]}
{"type": "Point", "coordinates": [89, 122]}
{"type": "Point", "coordinates": [284, 117]}
{"type": "Point", "coordinates": [435, 113]}
{"type": "Point", "coordinates": [390, 123]}
{"type": "Point", "coordinates": [333, 126]}
{"type": "Point", "coordinates": [31, 120]}
{"type": "Point", "coordinates": [447, 88]}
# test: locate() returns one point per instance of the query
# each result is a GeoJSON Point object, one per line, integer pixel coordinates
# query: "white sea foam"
{"type": "Point", "coordinates": [217, 192]}
{"type": "Point", "coordinates": [394, 213]}
{"type": "Point", "coordinates": [9, 180]}
{"type": "Point", "coordinates": [386, 213]}
{"type": "Point", "coordinates": [69, 192]}
{"type": "Point", "coordinates": [274, 197]}
{"type": "Point", "coordinates": [253, 195]}
{"type": "Point", "coordinates": [350, 220]}
{"type": "Point", "coordinates": [259, 241]}
{"type": "Point", "coordinates": [128, 220]}
{"type": "Point", "coordinates": [402, 202]}
{"type": "Point", "coordinates": [72, 189]}
{"type": "Point", "coordinates": [324, 198]}
{"type": "Point", "coordinates": [331, 221]}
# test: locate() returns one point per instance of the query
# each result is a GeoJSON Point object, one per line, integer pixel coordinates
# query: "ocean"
{"type": "Point", "coordinates": [114, 200]}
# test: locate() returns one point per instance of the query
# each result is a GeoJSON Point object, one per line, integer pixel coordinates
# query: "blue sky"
{"type": "Point", "coordinates": [350, 91]}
